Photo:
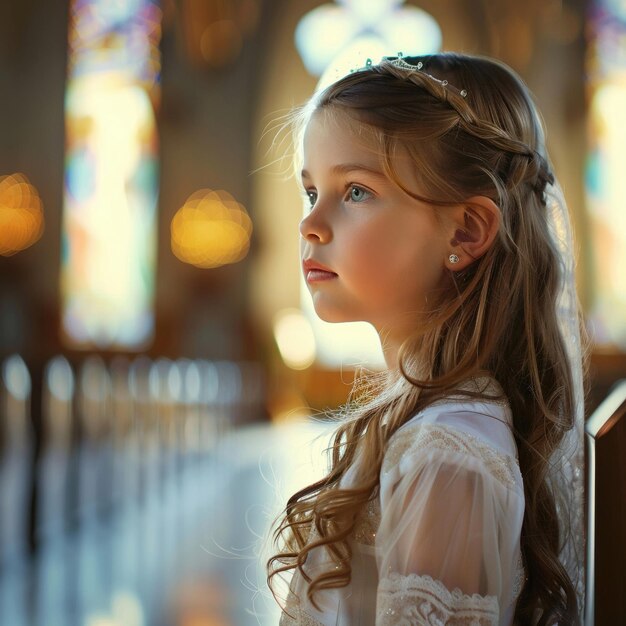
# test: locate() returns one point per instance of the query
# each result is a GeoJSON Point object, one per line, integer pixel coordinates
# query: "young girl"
{"type": "Point", "coordinates": [454, 493]}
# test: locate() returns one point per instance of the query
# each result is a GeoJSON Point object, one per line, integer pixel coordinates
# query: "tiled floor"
{"type": "Point", "coordinates": [191, 554]}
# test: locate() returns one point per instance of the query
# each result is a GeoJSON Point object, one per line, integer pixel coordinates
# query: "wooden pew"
{"type": "Point", "coordinates": [605, 433]}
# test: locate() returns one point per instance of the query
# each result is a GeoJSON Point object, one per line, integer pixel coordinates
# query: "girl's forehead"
{"type": "Point", "coordinates": [334, 127]}
{"type": "Point", "coordinates": [338, 142]}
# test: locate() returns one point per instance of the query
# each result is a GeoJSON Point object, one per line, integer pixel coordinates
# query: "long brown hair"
{"type": "Point", "coordinates": [482, 137]}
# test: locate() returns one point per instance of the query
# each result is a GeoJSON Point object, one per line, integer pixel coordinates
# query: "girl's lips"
{"type": "Point", "coordinates": [315, 271]}
{"type": "Point", "coordinates": [316, 275]}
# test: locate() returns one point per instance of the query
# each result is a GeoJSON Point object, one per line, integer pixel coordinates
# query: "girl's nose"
{"type": "Point", "coordinates": [315, 228]}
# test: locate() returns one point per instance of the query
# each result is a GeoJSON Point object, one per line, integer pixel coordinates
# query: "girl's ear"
{"type": "Point", "coordinates": [474, 226]}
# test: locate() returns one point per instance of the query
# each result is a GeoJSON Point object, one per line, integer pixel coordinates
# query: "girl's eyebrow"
{"type": "Point", "coordinates": [344, 168]}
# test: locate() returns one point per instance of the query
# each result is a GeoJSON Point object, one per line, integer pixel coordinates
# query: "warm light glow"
{"type": "Point", "coordinates": [606, 184]}
{"type": "Point", "coordinates": [21, 216]}
{"type": "Point", "coordinates": [211, 229]}
{"type": "Point", "coordinates": [333, 39]}
{"type": "Point", "coordinates": [111, 186]}
{"type": "Point", "coordinates": [294, 338]}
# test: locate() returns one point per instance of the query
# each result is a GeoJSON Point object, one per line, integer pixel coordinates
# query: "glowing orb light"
{"type": "Point", "coordinates": [211, 229]}
{"type": "Point", "coordinates": [295, 339]}
{"type": "Point", "coordinates": [21, 215]}
{"type": "Point", "coordinates": [332, 39]}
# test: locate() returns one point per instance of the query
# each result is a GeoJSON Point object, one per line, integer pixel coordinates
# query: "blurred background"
{"type": "Point", "coordinates": [159, 358]}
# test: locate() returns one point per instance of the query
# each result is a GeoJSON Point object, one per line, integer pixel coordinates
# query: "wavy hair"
{"type": "Point", "coordinates": [483, 137]}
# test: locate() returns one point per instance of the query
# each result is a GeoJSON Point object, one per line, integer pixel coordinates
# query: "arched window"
{"type": "Point", "coordinates": [110, 194]}
{"type": "Point", "coordinates": [605, 181]}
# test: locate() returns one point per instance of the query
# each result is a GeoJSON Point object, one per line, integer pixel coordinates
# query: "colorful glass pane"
{"type": "Point", "coordinates": [111, 174]}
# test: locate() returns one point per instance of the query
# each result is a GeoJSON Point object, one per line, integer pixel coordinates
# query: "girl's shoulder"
{"type": "Point", "coordinates": [476, 428]}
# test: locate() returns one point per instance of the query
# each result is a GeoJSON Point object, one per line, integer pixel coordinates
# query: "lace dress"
{"type": "Point", "coordinates": [440, 544]}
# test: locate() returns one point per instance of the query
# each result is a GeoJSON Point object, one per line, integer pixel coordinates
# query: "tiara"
{"type": "Point", "coordinates": [401, 62]}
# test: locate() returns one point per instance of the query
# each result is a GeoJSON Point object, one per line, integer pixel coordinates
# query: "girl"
{"type": "Point", "coordinates": [454, 493]}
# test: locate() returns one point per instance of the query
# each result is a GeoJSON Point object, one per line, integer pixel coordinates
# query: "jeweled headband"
{"type": "Point", "coordinates": [406, 63]}
{"type": "Point", "coordinates": [413, 68]}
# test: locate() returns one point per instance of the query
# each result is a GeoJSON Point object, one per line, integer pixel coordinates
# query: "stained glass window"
{"type": "Point", "coordinates": [111, 176]}
{"type": "Point", "coordinates": [606, 184]}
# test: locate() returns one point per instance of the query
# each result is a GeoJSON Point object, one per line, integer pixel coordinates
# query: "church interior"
{"type": "Point", "coordinates": [164, 381]}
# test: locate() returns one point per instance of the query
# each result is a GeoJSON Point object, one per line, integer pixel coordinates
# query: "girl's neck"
{"type": "Point", "coordinates": [391, 345]}
{"type": "Point", "coordinates": [390, 353]}
{"type": "Point", "coordinates": [393, 334]}
{"type": "Point", "coordinates": [392, 348]}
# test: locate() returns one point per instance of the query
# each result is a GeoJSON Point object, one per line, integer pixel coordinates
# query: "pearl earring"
{"type": "Point", "coordinates": [453, 258]}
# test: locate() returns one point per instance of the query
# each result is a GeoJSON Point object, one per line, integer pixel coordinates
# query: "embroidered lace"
{"type": "Point", "coordinates": [413, 600]}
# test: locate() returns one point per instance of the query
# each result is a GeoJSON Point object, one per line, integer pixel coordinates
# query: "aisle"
{"type": "Point", "coordinates": [190, 552]}
{"type": "Point", "coordinates": [259, 467]}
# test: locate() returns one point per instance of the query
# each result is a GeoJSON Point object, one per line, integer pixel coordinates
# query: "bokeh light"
{"type": "Point", "coordinates": [210, 230]}
{"type": "Point", "coordinates": [15, 377]}
{"type": "Point", "coordinates": [294, 338]}
{"type": "Point", "coordinates": [333, 39]}
{"type": "Point", "coordinates": [21, 214]}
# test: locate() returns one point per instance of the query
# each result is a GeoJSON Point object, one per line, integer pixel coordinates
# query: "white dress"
{"type": "Point", "coordinates": [441, 542]}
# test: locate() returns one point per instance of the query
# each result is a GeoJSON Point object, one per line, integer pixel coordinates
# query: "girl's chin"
{"type": "Point", "coordinates": [331, 311]}
{"type": "Point", "coordinates": [335, 317]}
{"type": "Point", "coordinates": [335, 320]}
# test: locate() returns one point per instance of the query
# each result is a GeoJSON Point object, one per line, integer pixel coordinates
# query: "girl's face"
{"type": "Point", "coordinates": [384, 251]}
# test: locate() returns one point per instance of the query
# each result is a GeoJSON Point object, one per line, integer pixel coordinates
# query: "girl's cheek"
{"type": "Point", "coordinates": [369, 237]}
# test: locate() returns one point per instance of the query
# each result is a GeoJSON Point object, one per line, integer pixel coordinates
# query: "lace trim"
{"type": "Point", "coordinates": [501, 466]}
{"type": "Point", "coordinates": [293, 615]}
{"type": "Point", "coordinates": [412, 600]}
{"type": "Point", "coordinates": [367, 523]}
{"type": "Point", "coordinates": [520, 578]}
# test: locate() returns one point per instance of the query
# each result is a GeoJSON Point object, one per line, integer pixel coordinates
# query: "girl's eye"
{"type": "Point", "coordinates": [312, 196]}
{"type": "Point", "coordinates": [358, 194]}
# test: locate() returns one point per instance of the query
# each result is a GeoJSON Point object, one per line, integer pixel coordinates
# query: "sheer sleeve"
{"type": "Point", "coordinates": [448, 542]}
